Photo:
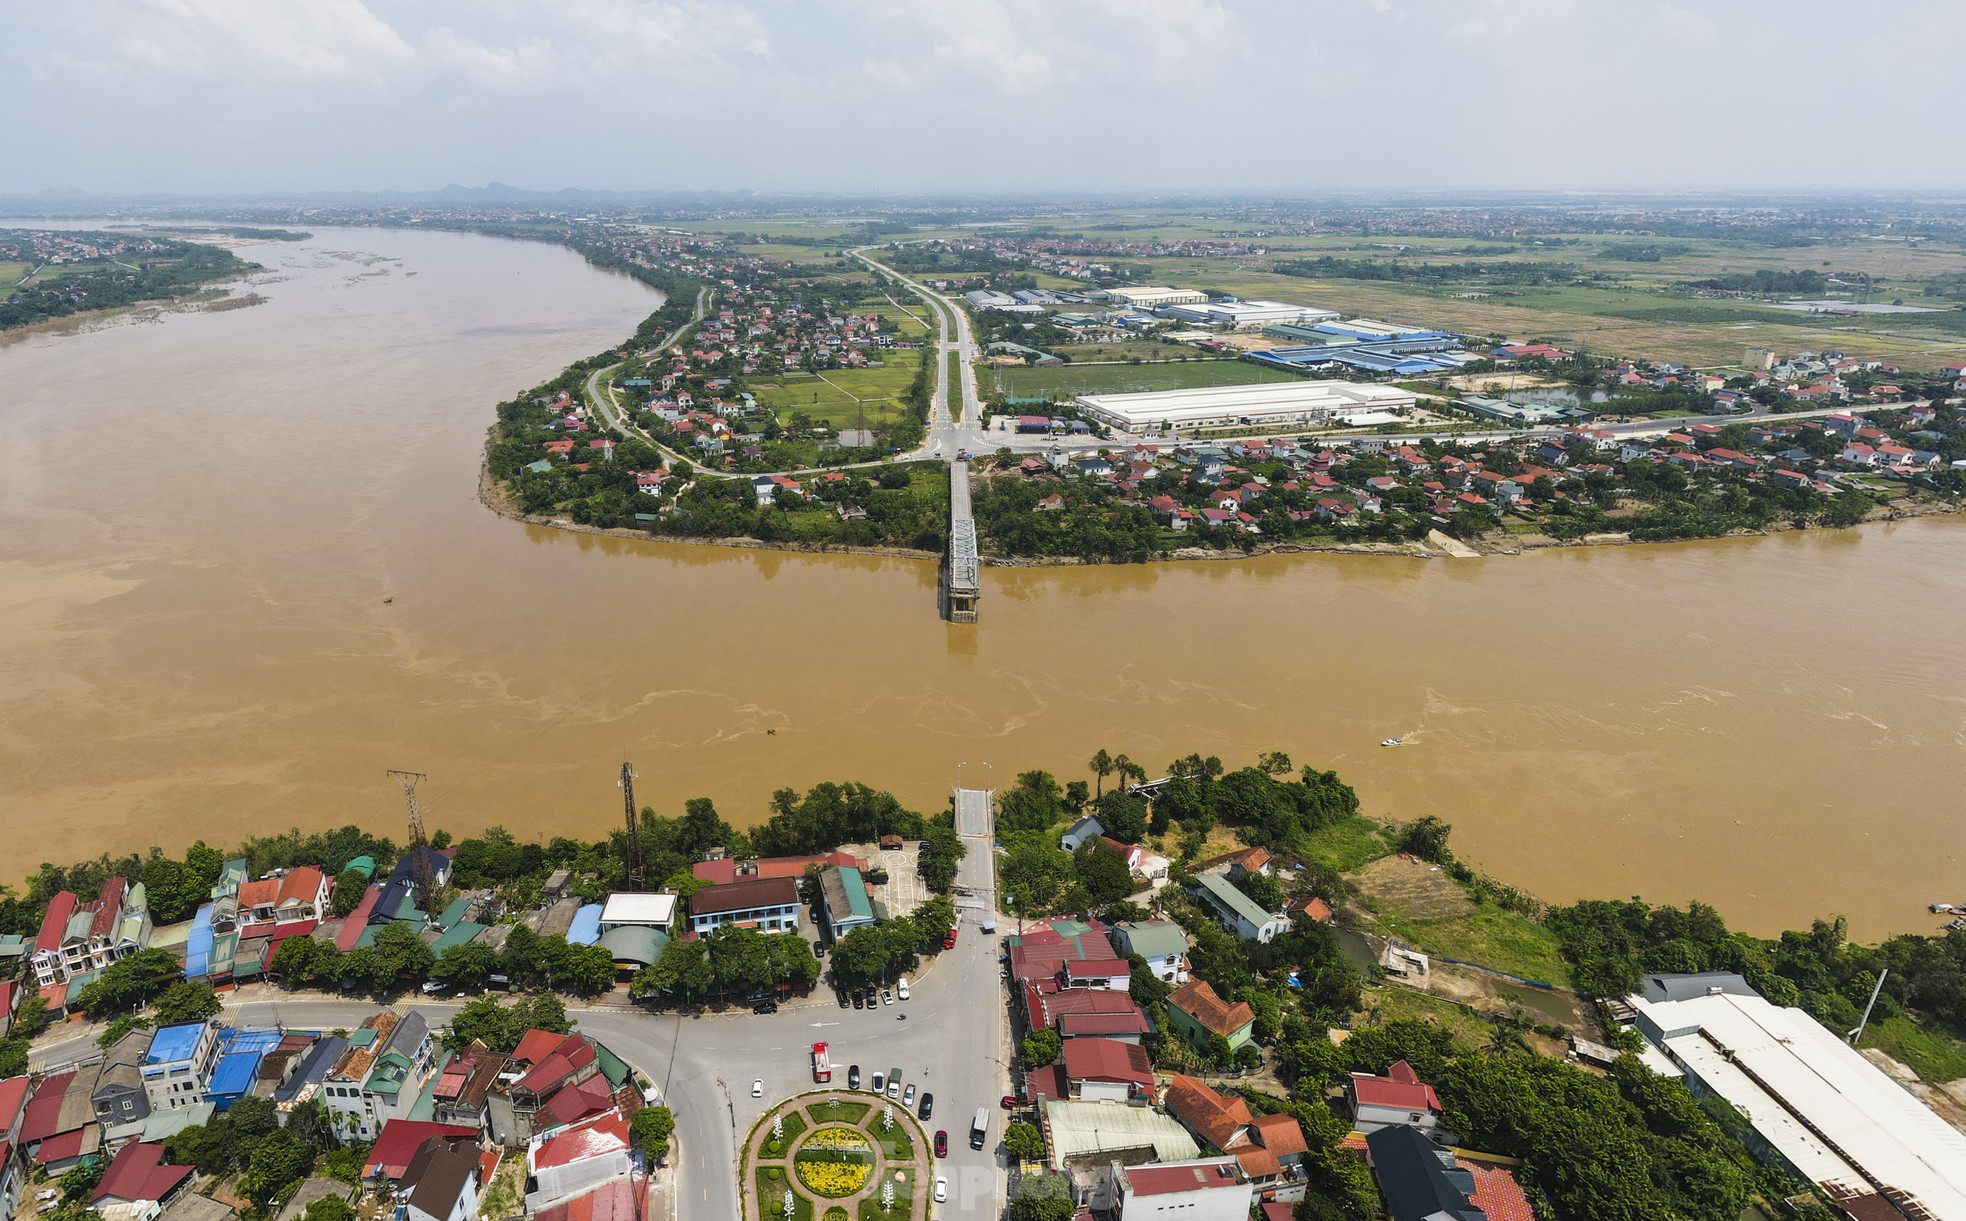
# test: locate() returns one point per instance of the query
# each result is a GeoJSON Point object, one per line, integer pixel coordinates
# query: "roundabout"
{"type": "Point", "coordinates": [837, 1155]}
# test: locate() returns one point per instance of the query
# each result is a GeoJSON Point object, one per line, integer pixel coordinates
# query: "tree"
{"type": "Point", "coordinates": [1102, 767]}
{"type": "Point", "coordinates": [1102, 873]}
{"type": "Point", "coordinates": [1076, 796]}
{"type": "Point", "coordinates": [465, 966]}
{"type": "Point", "coordinates": [650, 1130]}
{"type": "Point", "coordinates": [1426, 838]}
{"type": "Point", "coordinates": [1123, 815]}
{"type": "Point", "coordinates": [587, 971]}
{"type": "Point", "coordinates": [277, 1161]}
{"type": "Point", "coordinates": [1032, 804]}
{"type": "Point", "coordinates": [202, 1145]}
{"type": "Point", "coordinates": [1274, 763]}
{"type": "Point", "coordinates": [403, 953]}
{"type": "Point", "coordinates": [349, 888]}
{"type": "Point", "coordinates": [128, 982]}
{"type": "Point", "coordinates": [1024, 1142]}
{"type": "Point", "coordinates": [1041, 1047]}
{"type": "Point", "coordinates": [120, 1026]}
{"type": "Point", "coordinates": [1043, 1197]}
{"type": "Point", "coordinates": [941, 853]}
{"type": "Point", "coordinates": [13, 1057]}
{"type": "Point", "coordinates": [329, 1208]}
{"type": "Point", "coordinates": [684, 967]}
{"type": "Point", "coordinates": [186, 1001]}
{"type": "Point", "coordinates": [1263, 890]}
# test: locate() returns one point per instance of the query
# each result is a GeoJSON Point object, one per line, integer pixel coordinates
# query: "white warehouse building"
{"type": "Point", "coordinates": [1154, 298]}
{"type": "Point", "coordinates": [1817, 1107]}
{"type": "Point", "coordinates": [1248, 315]}
{"type": "Point", "coordinates": [1280, 404]}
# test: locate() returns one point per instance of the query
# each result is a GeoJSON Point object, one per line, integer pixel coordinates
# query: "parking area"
{"type": "Point", "coordinates": [903, 891]}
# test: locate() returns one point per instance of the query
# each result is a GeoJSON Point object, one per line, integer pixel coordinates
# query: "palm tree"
{"type": "Point", "coordinates": [1102, 767]}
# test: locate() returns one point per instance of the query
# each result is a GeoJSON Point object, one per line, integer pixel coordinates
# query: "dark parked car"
{"type": "Point", "coordinates": [765, 1007]}
{"type": "Point", "coordinates": [941, 1144]}
{"type": "Point", "coordinates": [819, 949]}
{"type": "Point", "coordinates": [842, 997]}
{"type": "Point", "coordinates": [853, 1076]}
{"type": "Point", "coordinates": [859, 1002]}
{"type": "Point", "coordinates": [873, 997]}
{"type": "Point", "coordinates": [927, 1107]}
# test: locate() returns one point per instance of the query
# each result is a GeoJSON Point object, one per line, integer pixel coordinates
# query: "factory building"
{"type": "Point", "coordinates": [1270, 405]}
{"type": "Point", "coordinates": [1248, 315]}
{"type": "Point", "coordinates": [1817, 1108]}
{"type": "Point", "coordinates": [1154, 298]}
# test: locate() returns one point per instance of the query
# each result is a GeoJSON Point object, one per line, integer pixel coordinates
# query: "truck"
{"type": "Point", "coordinates": [822, 1064]}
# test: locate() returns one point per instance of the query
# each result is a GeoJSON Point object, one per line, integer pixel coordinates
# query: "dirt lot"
{"type": "Point", "coordinates": [1412, 887]}
{"type": "Point", "coordinates": [1948, 1100]}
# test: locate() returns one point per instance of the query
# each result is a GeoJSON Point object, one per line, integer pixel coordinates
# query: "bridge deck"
{"type": "Point", "coordinates": [965, 566]}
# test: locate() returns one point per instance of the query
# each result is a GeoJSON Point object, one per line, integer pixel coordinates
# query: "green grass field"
{"type": "Point", "coordinates": [1930, 1054]}
{"type": "Point", "coordinates": [1488, 936]}
{"type": "Point", "coordinates": [1345, 845]}
{"type": "Point", "coordinates": [838, 398]}
{"type": "Point", "coordinates": [11, 273]}
{"type": "Point", "coordinates": [1066, 380]}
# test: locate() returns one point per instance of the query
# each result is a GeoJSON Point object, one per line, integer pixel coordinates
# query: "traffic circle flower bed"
{"type": "Point", "coordinates": [834, 1162]}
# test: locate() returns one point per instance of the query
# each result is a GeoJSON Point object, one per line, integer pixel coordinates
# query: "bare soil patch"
{"type": "Point", "coordinates": [1413, 887]}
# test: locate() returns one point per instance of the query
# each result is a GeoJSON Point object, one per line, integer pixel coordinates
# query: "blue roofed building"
{"type": "Point", "coordinates": [586, 929]}
{"type": "Point", "coordinates": [179, 1064]}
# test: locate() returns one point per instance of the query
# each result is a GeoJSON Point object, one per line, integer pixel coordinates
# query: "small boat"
{"type": "Point", "coordinates": [1393, 742]}
{"type": "Point", "coordinates": [1940, 909]}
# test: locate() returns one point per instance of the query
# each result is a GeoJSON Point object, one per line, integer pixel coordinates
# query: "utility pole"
{"type": "Point", "coordinates": [1858, 1033]}
{"type": "Point", "coordinates": [420, 867]}
{"type": "Point", "coordinates": [636, 880]}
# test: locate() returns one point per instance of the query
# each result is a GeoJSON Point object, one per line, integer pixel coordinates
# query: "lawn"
{"type": "Point", "coordinates": [904, 1199]}
{"type": "Point", "coordinates": [1065, 381]}
{"type": "Point", "coordinates": [1345, 845]}
{"type": "Point", "coordinates": [840, 1112]}
{"type": "Point", "coordinates": [842, 398]}
{"type": "Point", "coordinates": [772, 1185]}
{"type": "Point", "coordinates": [11, 273]}
{"type": "Point", "coordinates": [794, 1125]}
{"type": "Point", "coordinates": [1934, 1056]}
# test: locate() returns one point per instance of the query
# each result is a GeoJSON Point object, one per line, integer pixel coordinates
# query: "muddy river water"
{"type": "Point", "coordinates": [243, 570]}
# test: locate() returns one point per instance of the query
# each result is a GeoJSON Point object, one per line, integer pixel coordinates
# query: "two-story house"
{"type": "Point", "coordinates": [1238, 913]}
{"type": "Point", "coordinates": [1161, 943]}
{"type": "Point", "coordinates": [121, 1102]}
{"type": "Point", "coordinates": [771, 905]}
{"type": "Point", "coordinates": [1197, 1016]}
{"type": "Point", "coordinates": [283, 906]}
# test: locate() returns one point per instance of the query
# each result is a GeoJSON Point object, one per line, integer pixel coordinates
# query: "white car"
{"type": "Point", "coordinates": [902, 989]}
{"type": "Point", "coordinates": [758, 1088]}
{"type": "Point", "coordinates": [941, 1188]}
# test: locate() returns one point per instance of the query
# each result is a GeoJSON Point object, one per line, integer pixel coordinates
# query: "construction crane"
{"type": "Point", "coordinates": [422, 874]}
{"type": "Point", "coordinates": [636, 880]}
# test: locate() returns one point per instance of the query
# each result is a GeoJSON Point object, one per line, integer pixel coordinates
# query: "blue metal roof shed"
{"type": "Point", "coordinates": [586, 928]}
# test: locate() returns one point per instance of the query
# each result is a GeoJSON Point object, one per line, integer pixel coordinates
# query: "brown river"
{"type": "Point", "coordinates": [243, 570]}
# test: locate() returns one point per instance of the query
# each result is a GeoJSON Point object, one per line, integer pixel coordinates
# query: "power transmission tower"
{"type": "Point", "coordinates": [421, 871]}
{"type": "Point", "coordinates": [634, 846]}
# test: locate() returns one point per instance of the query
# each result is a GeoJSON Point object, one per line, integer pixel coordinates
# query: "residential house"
{"type": "Point", "coordinates": [1198, 1016]}
{"type": "Point", "coordinates": [770, 905]}
{"type": "Point", "coordinates": [1418, 1179]}
{"type": "Point", "coordinates": [1162, 943]}
{"type": "Point", "coordinates": [463, 1092]}
{"type": "Point", "coordinates": [1206, 1190]}
{"type": "Point", "coordinates": [58, 1129]}
{"type": "Point", "coordinates": [78, 938]}
{"type": "Point", "coordinates": [1238, 913]}
{"type": "Point", "coordinates": [526, 1097]}
{"type": "Point", "coordinates": [395, 1149]}
{"type": "Point", "coordinates": [177, 1066]}
{"type": "Point", "coordinates": [1107, 1070]}
{"type": "Point", "coordinates": [1084, 829]}
{"type": "Point", "coordinates": [381, 1074]}
{"type": "Point", "coordinates": [138, 1176]}
{"type": "Point", "coordinates": [1269, 1149]}
{"type": "Point", "coordinates": [13, 1177]}
{"type": "Point", "coordinates": [285, 905]}
{"type": "Point", "coordinates": [121, 1103]}
{"type": "Point", "coordinates": [1399, 1097]}
{"type": "Point", "coordinates": [574, 1160]}
{"type": "Point", "coordinates": [1312, 908]}
{"type": "Point", "coordinates": [443, 1180]}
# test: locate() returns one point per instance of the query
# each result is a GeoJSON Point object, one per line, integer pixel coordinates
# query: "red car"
{"type": "Point", "coordinates": [949, 940]}
{"type": "Point", "coordinates": [1009, 1102]}
{"type": "Point", "coordinates": [941, 1144]}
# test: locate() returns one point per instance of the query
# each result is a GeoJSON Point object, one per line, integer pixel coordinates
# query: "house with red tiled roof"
{"type": "Point", "coordinates": [76, 938]}
{"type": "Point", "coordinates": [1199, 1017]}
{"type": "Point", "coordinates": [1107, 1070]}
{"type": "Point", "coordinates": [396, 1146]}
{"type": "Point", "coordinates": [139, 1176]}
{"type": "Point", "coordinates": [1399, 1097]}
{"type": "Point", "coordinates": [725, 870]}
{"type": "Point", "coordinates": [288, 906]}
{"type": "Point", "coordinates": [1312, 908]}
{"type": "Point", "coordinates": [1269, 1149]}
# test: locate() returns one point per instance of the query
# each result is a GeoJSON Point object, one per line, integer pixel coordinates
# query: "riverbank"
{"type": "Point", "coordinates": [492, 495]}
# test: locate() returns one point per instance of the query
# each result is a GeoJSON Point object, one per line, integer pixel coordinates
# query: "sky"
{"type": "Point", "coordinates": [211, 97]}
